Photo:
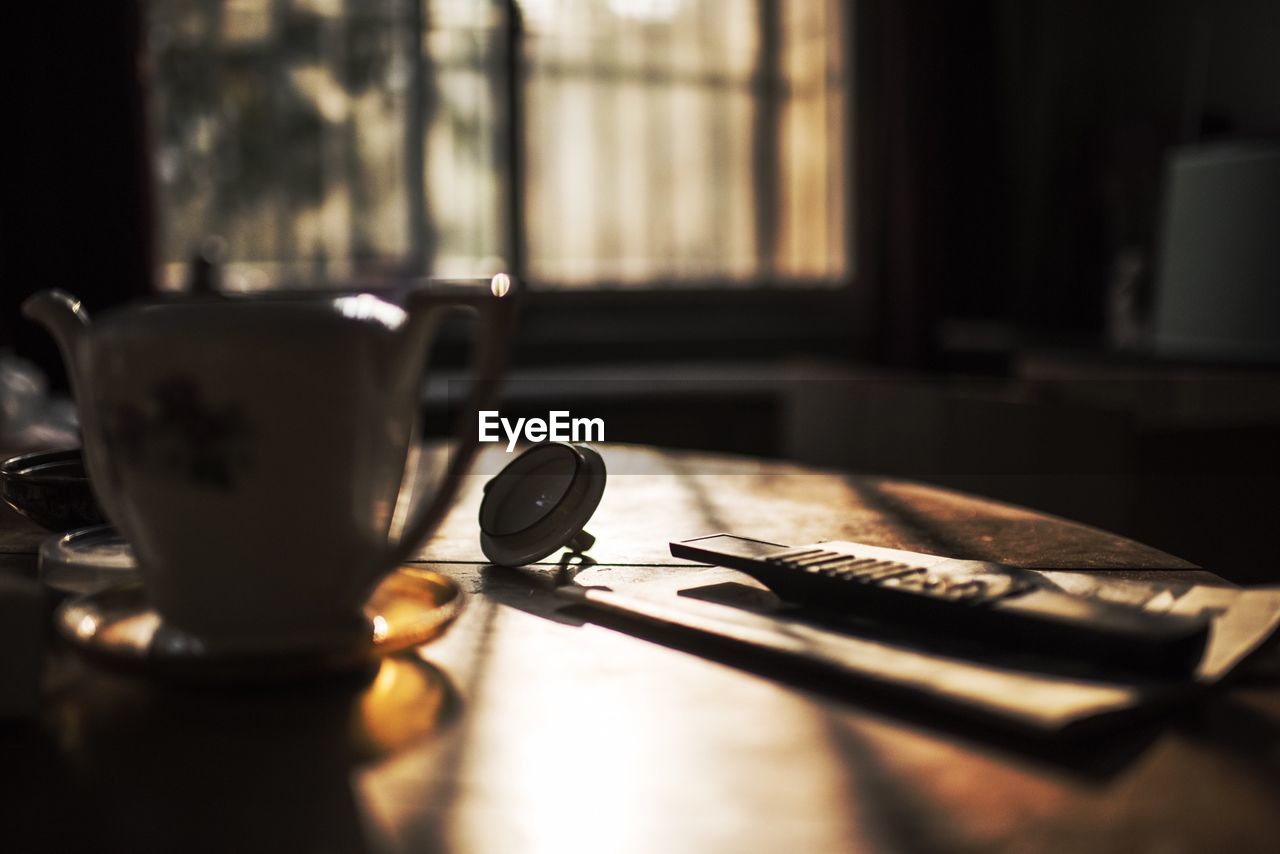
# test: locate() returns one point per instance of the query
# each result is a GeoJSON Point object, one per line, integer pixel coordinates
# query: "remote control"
{"type": "Point", "coordinates": [962, 596]}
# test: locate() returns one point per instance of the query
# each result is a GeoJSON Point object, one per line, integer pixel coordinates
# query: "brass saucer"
{"type": "Point", "coordinates": [118, 629]}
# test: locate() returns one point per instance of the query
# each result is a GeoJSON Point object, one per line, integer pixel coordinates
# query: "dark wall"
{"type": "Point", "coordinates": [75, 212]}
{"type": "Point", "coordinates": [1013, 165]}
{"type": "Point", "coordinates": [1096, 92]}
{"type": "Point", "coordinates": [1016, 148]}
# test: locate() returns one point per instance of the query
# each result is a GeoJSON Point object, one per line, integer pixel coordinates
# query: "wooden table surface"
{"type": "Point", "coordinates": [523, 729]}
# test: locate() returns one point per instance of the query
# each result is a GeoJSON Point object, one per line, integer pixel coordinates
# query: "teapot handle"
{"type": "Point", "coordinates": [494, 301]}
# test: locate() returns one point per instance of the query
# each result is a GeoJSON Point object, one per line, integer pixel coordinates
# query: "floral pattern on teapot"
{"type": "Point", "coordinates": [177, 432]}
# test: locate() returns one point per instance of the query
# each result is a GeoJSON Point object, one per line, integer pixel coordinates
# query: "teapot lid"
{"type": "Point", "coordinates": [540, 502]}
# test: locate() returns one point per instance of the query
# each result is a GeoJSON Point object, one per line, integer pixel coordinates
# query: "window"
{"type": "Point", "coordinates": [621, 143]}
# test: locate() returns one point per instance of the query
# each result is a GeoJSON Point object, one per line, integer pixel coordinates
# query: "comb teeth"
{"type": "Point", "coordinates": [787, 557]}
{"type": "Point", "coordinates": [893, 570]}
{"type": "Point", "coordinates": [843, 566]}
{"type": "Point", "coordinates": [815, 560]}
{"type": "Point", "coordinates": [848, 566]}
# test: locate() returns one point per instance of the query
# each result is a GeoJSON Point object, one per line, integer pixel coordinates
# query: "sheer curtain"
{"type": "Point", "coordinates": [661, 142]}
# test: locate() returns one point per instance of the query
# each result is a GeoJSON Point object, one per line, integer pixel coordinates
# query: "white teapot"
{"type": "Point", "coordinates": [252, 448]}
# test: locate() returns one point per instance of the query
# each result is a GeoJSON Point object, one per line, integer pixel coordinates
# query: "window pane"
{"type": "Point", "coordinates": [669, 143]}
{"type": "Point", "coordinates": [666, 143]}
{"type": "Point", "coordinates": [811, 236]}
{"type": "Point", "coordinates": [323, 139]}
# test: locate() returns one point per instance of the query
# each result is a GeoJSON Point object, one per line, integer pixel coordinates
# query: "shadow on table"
{"type": "Point", "coordinates": [1096, 755]}
{"type": "Point", "coordinates": [128, 765]}
{"type": "Point", "coordinates": [1246, 733]}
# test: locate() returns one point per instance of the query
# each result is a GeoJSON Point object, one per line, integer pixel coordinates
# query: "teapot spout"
{"type": "Point", "coordinates": [61, 314]}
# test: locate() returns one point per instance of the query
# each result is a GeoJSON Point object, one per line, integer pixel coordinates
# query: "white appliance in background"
{"type": "Point", "coordinates": [1217, 291]}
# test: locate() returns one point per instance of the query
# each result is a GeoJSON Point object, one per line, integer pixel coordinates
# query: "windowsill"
{"type": "Point", "coordinates": [667, 326]}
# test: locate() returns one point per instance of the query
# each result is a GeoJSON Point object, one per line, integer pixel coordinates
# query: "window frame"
{"type": "Point", "coordinates": [752, 319]}
{"type": "Point", "coordinates": [684, 318]}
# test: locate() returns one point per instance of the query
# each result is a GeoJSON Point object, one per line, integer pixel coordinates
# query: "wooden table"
{"type": "Point", "coordinates": [524, 729]}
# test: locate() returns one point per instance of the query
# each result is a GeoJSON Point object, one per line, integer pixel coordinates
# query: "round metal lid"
{"type": "Point", "coordinates": [540, 502]}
